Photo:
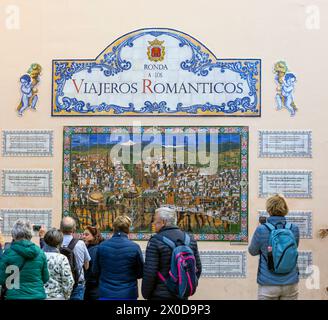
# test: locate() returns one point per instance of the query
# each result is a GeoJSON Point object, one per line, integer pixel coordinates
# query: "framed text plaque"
{"type": "Point", "coordinates": [36, 143]}
{"type": "Point", "coordinates": [285, 144]}
{"type": "Point", "coordinates": [35, 216]}
{"type": "Point", "coordinates": [27, 183]}
{"type": "Point", "coordinates": [223, 264]}
{"type": "Point", "coordinates": [292, 184]}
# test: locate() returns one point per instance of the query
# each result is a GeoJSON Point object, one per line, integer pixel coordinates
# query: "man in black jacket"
{"type": "Point", "coordinates": [158, 255]}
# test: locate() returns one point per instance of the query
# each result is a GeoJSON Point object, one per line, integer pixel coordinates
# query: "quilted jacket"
{"type": "Point", "coordinates": [119, 263]}
{"type": "Point", "coordinates": [158, 258]}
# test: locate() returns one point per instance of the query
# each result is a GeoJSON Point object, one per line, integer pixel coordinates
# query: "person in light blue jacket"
{"type": "Point", "coordinates": [274, 286]}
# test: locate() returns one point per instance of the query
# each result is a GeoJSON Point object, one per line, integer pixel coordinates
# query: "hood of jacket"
{"type": "Point", "coordinates": [25, 248]}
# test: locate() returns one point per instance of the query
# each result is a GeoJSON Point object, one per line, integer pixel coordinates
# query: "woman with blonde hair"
{"type": "Point", "coordinates": [277, 278]}
{"type": "Point", "coordinates": [119, 264]}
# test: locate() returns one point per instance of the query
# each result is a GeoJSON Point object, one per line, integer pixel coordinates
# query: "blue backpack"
{"type": "Point", "coordinates": [283, 257]}
{"type": "Point", "coordinates": [182, 280]}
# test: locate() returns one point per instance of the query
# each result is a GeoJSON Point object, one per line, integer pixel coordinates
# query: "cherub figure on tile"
{"type": "Point", "coordinates": [29, 82]}
{"type": "Point", "coordinates": [285, 87]}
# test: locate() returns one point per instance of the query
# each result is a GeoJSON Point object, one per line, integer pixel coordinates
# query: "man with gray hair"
{"type": "Point", "coordinates": [158, 254]}
{"type": "Point", "coordinates": [80, 253]}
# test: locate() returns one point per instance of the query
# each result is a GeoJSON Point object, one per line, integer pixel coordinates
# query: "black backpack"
{"type": "Point", "coordinates": [69, 253]}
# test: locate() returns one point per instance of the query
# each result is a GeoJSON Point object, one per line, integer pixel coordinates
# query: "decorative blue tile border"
{"type": "Point", "coordinates": [35, 216]}
{"type": "Point", "coordinates": [7, 153]}
{"type": "Point", "coordinates": [307, 173]}
{"type": "Point", "coordinates": [304, 234]}
{"type": "Point", "coordinates": [286, 154]}
{"type": "Point", "coordinates": [30, 193]}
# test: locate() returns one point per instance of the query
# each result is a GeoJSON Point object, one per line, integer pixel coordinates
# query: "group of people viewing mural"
{"type": "Point", "coordinates": [66, 266]}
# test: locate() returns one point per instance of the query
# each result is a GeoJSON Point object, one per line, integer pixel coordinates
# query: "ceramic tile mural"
{"type": "Point", "coordinates": [202, 172]}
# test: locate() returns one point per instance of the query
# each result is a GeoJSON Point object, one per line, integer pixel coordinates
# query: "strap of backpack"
{"type": "Point", "coordinates": [73, 243]}
{"type": "Point", "coordinates": [168, 242]}
{"type": "Point", "coordinates": [71, 246]}
{"type": "Point", "coordinates": [171, 245]}
{"type": "Point", "coordinates": [187, 239]}
{"type": "Point", "coordinates": [288, 225]}
{"type": "Point", "coordinates": [269, 226]}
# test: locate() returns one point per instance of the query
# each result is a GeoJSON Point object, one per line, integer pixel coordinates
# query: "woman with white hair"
{"type": "Point", "coordinates": [23, 257]}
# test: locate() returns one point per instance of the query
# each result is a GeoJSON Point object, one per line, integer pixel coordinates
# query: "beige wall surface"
{"type": "Point", "coordinates": [269, 30]}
